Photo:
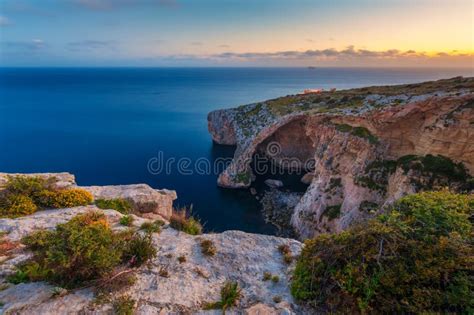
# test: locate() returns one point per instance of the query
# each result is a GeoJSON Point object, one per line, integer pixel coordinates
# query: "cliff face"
{"type": "Point", "coordinates": [369, 146]}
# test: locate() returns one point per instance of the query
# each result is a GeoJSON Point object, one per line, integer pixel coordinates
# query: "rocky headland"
{"type": "Point", "coordinates": [386, 215]}
{"type": "Point", "coordinates": [368, 146]}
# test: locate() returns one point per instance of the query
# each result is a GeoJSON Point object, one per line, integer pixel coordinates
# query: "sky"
{"type": "Point", "coordinates": [374, 33]}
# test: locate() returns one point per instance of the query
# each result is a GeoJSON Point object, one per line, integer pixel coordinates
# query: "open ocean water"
{"type": "Point", "coordinates": [105, 124]}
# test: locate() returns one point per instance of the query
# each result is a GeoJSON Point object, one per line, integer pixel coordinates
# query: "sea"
{"type": "Point", "coordinates": [111, 126]}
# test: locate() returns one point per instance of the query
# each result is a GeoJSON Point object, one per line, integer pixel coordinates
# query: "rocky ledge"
{"type": "Point", "coordinates": [179, 279]}
{"type": "Point", "coordinates": [146, 201]}
{"type": "Point", "coordinates": [368, 146]}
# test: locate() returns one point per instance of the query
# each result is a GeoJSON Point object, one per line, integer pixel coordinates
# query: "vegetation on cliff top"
{"type": "Point", "coordinates": [328, 101]}
{"type": "Point", "coordinates": [417, 258]}
{"type": "Point", "coordinates": [82, 250]}
{"type": "Point", "coordinates": [24, 195]}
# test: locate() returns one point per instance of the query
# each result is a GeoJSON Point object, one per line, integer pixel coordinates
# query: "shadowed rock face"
{"type": "Point", "coordinates": [289, 146]}
{"type": "Point", "coordinates": [221, 128]}
{"type": "Point", "coordinates": [355, 138]}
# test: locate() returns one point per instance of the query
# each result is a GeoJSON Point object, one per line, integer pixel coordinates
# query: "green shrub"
{"type": "Point", "coordinates": [65, 198]}
{"type": "Point", "coordinates": [368, 206]}
{"type": "Point", "coordinates": [430, 173]}
{"type": "Point", "coordinates": [126, 220]}
{"type": "Point", "coordinates": [436, 165]}
{"type": "Point", "coordinates": [121, 205]}
{"type": "Point", "coordinates": [267, 276]}
{"type": "Point", "coordinates": [417, 258]}
{"type": "Point", "coordinates": [13, 205]}
{"type": "Point", "coordinates": [27, 185]}
{"type": "Point", "coordinates": [139, 249]}
{"type": "Point", "coordinates": [208, 248]}
{"type": "Point", "coordinates": [360, 132]}
{"type": "Point", "coordinates": [23, 195]}
{"type": "Point", "coordinates": [230, 295]}
{"type": "Point", "coordinates": [244, 177]}
{"type": "Point", "coordinates": [275, 279]}
{"type": "Point", "coordinates": [152, 227]}
{"type": "Point", "coordinates": [343, 128]}
{"type": "Point", "coordinates": [18, 277]}
{"type": "Point", "coordinates": [83, 249]}
{"type": "Point", "coordinates": [124, 305]}
{"type": "Point", "coordinates": [19, 194]}
{"type": "Point", "coordinates": [285, 250]}
{"type": "Point", "coordinates": [163, 272]}
{"type": "Point", "coordinates": [376, 175]}
{"type": "Point", "coordinates": [182, 222]}
{"type": "Point", "coordinates": [332, 212]}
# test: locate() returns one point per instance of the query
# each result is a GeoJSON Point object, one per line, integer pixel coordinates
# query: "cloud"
{"type": "Point", "coordinates": [224, 46]}
{"type": "Point", "coordinates": [28, 48]}
{"type": "Point", "coordinates": [89, 45]}
{"type": "Point", "coordinates": [348, 53]}
{"type": "Point", "coordinates": [23, 7]}
{"type": "Point", "coordinates": [4, 21]}
{"type": "Point", "coordinates": [95, 4]}
{"type": "Point", "coordinates": [103, 5]}
{"type": "Point", "coordinates": [24, 46]}
{"type": "Point", "coordinates": [196, 44]}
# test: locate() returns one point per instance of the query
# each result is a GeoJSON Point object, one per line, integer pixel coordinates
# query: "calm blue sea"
{"type": "Point", "coordinates": [105, 124]}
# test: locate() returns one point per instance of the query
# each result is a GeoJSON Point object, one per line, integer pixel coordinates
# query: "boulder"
{"type": "Point", "coordinates": [274, 183]}
{"type": "Point", "coordinates": [145, 200]}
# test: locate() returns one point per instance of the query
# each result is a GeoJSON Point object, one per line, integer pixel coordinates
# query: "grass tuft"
{"type": "Point", "coordinates": [124, 305]}
{"type": "Point", "coordinates": [152, 227]}
{"type": "Point", "coordinates": [230, 295]}
{"type": "Point", "coordinates": [208, 248]}
{"type": "Point", "coordinates": [181, 221]}
{"type": "Point", "coordinates": [119, 204]}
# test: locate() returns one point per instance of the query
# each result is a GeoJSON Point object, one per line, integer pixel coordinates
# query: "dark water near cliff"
{"type": "Point", "coordinates": [104, 125]}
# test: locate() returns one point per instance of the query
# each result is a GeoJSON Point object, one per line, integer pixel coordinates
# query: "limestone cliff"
{"type": "Point", "coordinates": [368, 146]}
